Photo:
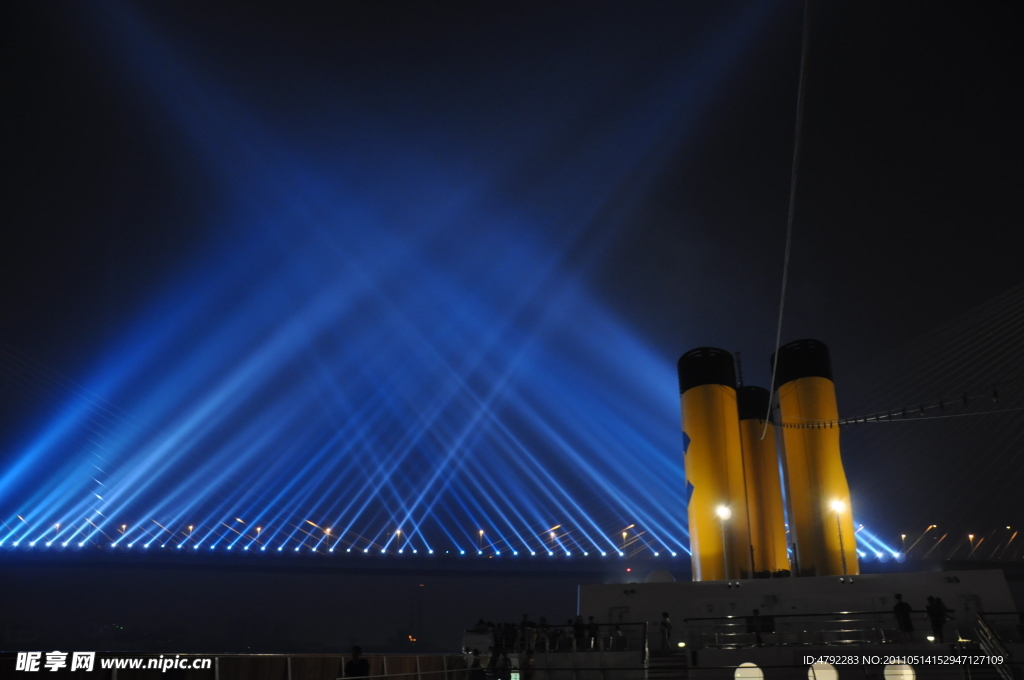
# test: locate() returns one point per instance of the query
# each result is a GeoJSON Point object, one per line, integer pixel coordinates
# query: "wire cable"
{"type": "Point", "coordinates": [792, 193]}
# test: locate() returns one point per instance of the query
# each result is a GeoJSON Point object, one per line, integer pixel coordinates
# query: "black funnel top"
{"type": "Point", "coordinates": [706, 366]}
{"type": "Point", "coordinates": [802, 359]}
{"type": "Point", "coordinates": [753, 402]}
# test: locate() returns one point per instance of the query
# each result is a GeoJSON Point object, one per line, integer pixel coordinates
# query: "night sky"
{"type": "Point", "coordinates": [162, 156]}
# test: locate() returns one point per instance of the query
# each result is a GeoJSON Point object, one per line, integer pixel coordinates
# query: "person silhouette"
{"type": "Point", "coordinates": [503, 670]}
{"type": "Point", "coordinates": [528, 666]}
{"type": "Point", "coordinates": [579, 632]}
{"type": "Point", "coordinates": [593, 633]}
{"type": "Point", "coordinates": [666, 631]}
{"type": "Point", "coordinates": [476, 671]}
{"type": "Point", "coordinates": [937, 615]}
{"type": "Point", "coordinates": [901, 610]}
{"type": "Point", "coordinates": [357, 666]}
{"type": "Point", "coordinates": [757, 627]}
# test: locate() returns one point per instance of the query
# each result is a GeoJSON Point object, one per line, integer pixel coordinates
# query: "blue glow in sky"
{"type": "Point", "coordinates": [386, 343]}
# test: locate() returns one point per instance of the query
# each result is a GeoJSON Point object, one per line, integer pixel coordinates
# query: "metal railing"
{"type": "Point", "coordinates": [1007, 626]}
{"type": "Point", "coordinates": [992, 644]}
{"type": "Point", "coordinates": [569, 637]}
{"type": "Point", "coordinates": [834, 628]}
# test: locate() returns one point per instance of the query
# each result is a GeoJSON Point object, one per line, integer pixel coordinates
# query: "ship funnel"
{"type": "Point", "coordinates": [768, 544]}
{"type": "Point", "coordinates": [821, 517]}
{"type": "Point", "coordinates": [713, 461]}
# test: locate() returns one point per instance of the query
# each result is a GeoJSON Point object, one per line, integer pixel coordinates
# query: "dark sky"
{"type": "Point", "coordinates": [906, 212]}
{"type": "Point", "coordinates": [907, 215]}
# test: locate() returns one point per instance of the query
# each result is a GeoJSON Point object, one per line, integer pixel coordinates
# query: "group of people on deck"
{"type": "Point", "coordinates": [936, 610]}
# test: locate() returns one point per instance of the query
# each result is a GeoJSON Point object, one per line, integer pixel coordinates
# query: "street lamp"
{"type": "Point", "coordinates": [724, 513]}
{"type": "Point", "coordinates": [839, 507]}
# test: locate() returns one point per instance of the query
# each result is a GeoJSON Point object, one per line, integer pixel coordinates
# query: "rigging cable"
{"type": "Point", "coordinates": [792, 193]}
